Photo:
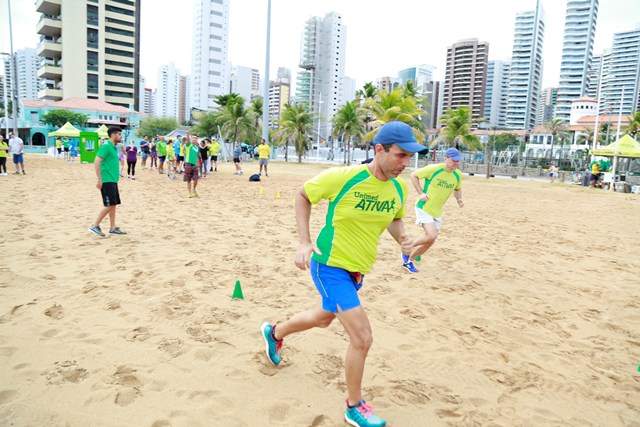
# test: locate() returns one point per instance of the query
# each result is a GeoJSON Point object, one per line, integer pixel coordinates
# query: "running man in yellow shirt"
{"type": "Point", "coordinates": [364, 201]}
{"type": "Point", "coordinates": [441, 180]}
{"type": "Point", "coordinates": [263, 156]}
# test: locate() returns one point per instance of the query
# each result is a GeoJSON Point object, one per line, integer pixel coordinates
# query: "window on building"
{"type": "Point", "coordinates": [92, 60]}
{"type": "Point", "coordinates": [92, 83]}
{"type": "Point", "coordinates": [92, 38]}
{"type": "Point", "coordinates": [92, 15]}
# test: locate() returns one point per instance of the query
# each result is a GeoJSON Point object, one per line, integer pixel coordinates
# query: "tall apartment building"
{"type": "Point", "coordinates": [388, 84]}
{"type": "Point", "coordinates": [279, 96]}
{"type": "Point", "coordinates": [547, 104]}
{"type": "Point", "coordinates": [210, 56]}
{"type": "Point", "coordinates": [495, 100]}
{"type": "Point", "coordinates": [90, 49]}
{"type": "Point", "coordinates": [598, 69]}
{"type": "Point", "coordinates": [526, 69]}
{"type": "Point", "coordinates": [577, 52]}
{"type": "Point", "coordinates": [322, 60]}
{"type": "Point", "coordinates": [26, 63]}
{"type": "Point", "coordinates": [245, 81]}
{"type": "Point", "coordinates": [622, 72]}
{"type": "Point", "coordinates": [420, 75]}
{"type": "Point", "coordinates": [149, 102]}
{"type": "Point", "coordinates": [466, 76]}
{"type": "Point", "coordinates": [168, 92]}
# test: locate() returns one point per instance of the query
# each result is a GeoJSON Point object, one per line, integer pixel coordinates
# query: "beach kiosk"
{"type": "Point", "coordinates": [89, 142]}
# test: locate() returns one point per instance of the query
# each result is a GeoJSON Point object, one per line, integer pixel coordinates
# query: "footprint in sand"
{"type": "Point", "coordinates": [125, 377]}
{"type": "Point", "coordinates": [55, 311]}
{"type": "Point", "coordinates": [140, 333]}
{"type": "Point", "coordinates": [67, 371]}
{"type": "Point", "coordinates": [171, 346]}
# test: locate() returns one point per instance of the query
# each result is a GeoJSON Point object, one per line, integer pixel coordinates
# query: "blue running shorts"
{"type": "Point", "coordinates": [338, 287]}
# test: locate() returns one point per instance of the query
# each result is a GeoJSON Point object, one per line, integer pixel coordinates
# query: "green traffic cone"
{"type": "Point", "coordinates": [237, 291]}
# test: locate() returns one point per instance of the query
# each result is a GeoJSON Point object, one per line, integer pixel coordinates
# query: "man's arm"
{"type": "Point", "coordinates": [416, 184]}
{"type": "Point", "coordinates": [396, 229]}
{"type": "Point", "coordinates": [306, 247]}
{"type": "Point", "coordinates": [458, 195]}
{"type": "Point", "coordinates": [96, 164]}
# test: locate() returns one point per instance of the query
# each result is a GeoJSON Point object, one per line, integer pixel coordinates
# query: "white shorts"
{"type": "Point", "coordinates": [424, 218]}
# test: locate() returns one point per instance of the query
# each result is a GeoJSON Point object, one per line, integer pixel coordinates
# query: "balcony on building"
{"type": "Point", "coordinates": [49, 25]}
{"type": "Point", "coordinates": [49, 7]}
{"type": "Point", "coordinates": [49, 47]}
{"type": "Point", "coordinates": [50, 69]}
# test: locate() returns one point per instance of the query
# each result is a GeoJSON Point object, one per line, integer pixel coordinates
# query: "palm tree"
{"type": "Point", "coordinates": [391, 106]}
{"type": "Point", "coordinates": [236, 121]}
{"type": "Point", "coordinates": [295, 126]}
{"type": "Point", "coordinates": [556, 127]}
{"type": "Point", "coordinates": [633, 126]}
{"type": "Point", "coordinates": [225, 99]}
{"type": "Point", "coordinates": [367, 91]}
{"type": "Point", "coordinates": [256, 111]}
{"type": "Point", "coordinates": [349, 121]}
{"type": "Point", "coordinates": [457, 130]}
{"type": "Point", "coordinates": [586, 136]}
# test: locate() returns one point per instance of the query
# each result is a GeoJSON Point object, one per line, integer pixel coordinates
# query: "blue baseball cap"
{"type": "Point", "coordinates": [453, 154]}
{"type": "Point", "coordinates": [400, 134]}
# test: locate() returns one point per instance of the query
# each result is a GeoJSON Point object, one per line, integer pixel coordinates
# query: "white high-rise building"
{"type": "Point", "coordinates": [147, 106]}
{"type": "Point", "coordinates": [142, 83]}
{"type": "Point", "coordinates": [495, 104]}
{"type": "Point", "coordinates": [420, 75]}
{"type": "Point", "coordinates": [210, 56]}
{"type": "Point", "coordinates": [622, 71]}
{"type": "Point", "coordinates": [577, 51]}
{"type": "Point", "coordinates": [245, 82]}
{"type": "Point", "coordinates": [187, 97]}
{"type": "Point", "coordinates": [597, 70]}
{"type": "Point", "coordinates": [322, 60]}
{"type": "Point", "coordinates": [526, 69]}
{"type": "Point", "coordinates": [27, 63]}
{"type": "Point", "coordinates": [168, 92]}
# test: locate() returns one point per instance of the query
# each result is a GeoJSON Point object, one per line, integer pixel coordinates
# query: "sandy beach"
{"type": "Point", "coordinates": [525, 312]}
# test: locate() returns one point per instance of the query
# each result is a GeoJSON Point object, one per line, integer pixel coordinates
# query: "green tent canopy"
{"type": "Point", "coordinates": [102, 131]}
{"type": "Point", "coordinates": [627, 147]}
{"type": "Point", "coordinates": [67, 130]}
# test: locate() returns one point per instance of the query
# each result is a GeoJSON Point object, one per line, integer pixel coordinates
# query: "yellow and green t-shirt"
{"type": "Point", "coordinates": [438, 185]}
{"type": "Point", "coordinates": [360, 209]}
{"type": "Point", "coordinates": [215, 148]}
{"type": "Point", "coordinates": [3, 153]}
{"type": "Point", "coordinates": [192, 154]}
{"type": "Point", "coordinates": [171, 155]}
{"type": "Point", "coordinates": [263, 151]}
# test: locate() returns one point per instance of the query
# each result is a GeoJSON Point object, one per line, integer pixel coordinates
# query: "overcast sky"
{"type": "Point", "coordinates": [383, 36]}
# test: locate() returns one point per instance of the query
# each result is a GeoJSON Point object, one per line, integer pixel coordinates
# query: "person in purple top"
{"type": "Point", "coordinates": [132, 159]}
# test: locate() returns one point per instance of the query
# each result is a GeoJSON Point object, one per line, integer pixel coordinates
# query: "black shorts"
{"type": "Point", "coordinates": [236, 160]}
{"type": "Point", "coordinates": [190, 172]}
{"type": "Point", "coordinates": [594, 177]}
{"type": "Point", "coordinates": [66, 149]}
{"type": "Point", "coordinates": [162, 158]}
{"type": "Point", "coordinates": [181, 158]}
{"type": "Point", "coordinates": [214, 158]}
{"type": "Point", "coordinates": [110, 194]}
{"type": "Point", "coordinates": [59, 150]}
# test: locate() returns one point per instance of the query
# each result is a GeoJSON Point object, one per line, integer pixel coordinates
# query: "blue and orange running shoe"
{"type": "Point", "coordinates": [272, 346]}
{"type": "Point", "coordinates": [362, 415]}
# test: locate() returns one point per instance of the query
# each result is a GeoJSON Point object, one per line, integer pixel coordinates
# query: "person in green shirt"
{"type": "Point", "coordinates": [214, 150]}
{"type": "Point", "coordinates": [192, 161]}
{"type": "Point", "coordinates": [441, 180]}
{"type": "Point", "coordinates": [108, 172]}
{"type": "Point", "coordinates": [4, 149]}
{"type": "Point", "coordinates": [161, 146]}
{"type": "Point", "coordinates": [364, 201]}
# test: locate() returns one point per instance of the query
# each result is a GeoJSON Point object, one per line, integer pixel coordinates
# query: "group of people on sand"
{"type": "Point", "coordinates": [365, 200]}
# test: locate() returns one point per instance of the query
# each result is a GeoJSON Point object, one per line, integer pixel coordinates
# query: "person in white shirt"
{"type": "Point", "coordinates": [16, 144]}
